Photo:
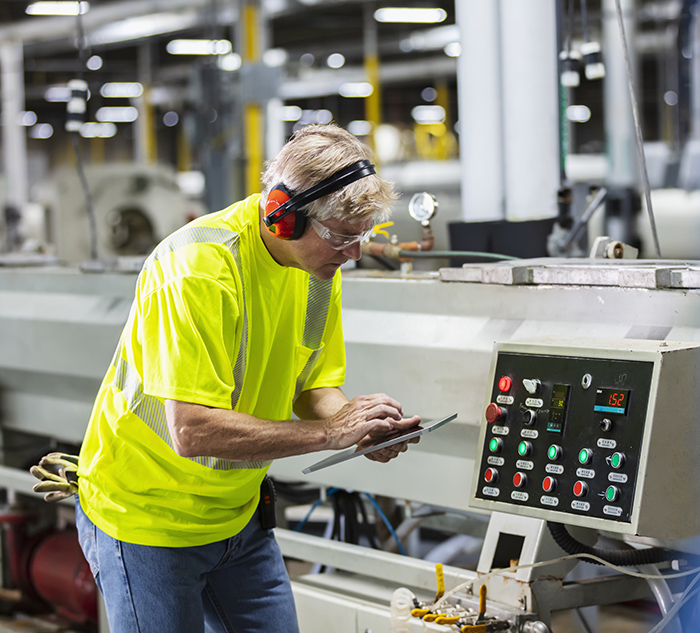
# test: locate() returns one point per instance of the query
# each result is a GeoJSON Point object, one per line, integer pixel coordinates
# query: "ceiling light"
{"type": "Point", "coordinates": [229, 62]}
{"type": "Point", "coordinates": [126, 114]}
{"type": "Point", "coordinates": [199, 47]}
{"type": "Point", "coordinates": [170, 118]}
{"type": "Point", "coordinates": [428, 114]}
{"type": "Point", "coordinates": [27, 118]}
{"type": "Point", "coordinates": [42, 130]}
{"type": "Point", "coordinates": [94, 62]}
{"type": "Point", "coordinates": [98, 130]}
{"type": "Point", "coordinates": [356, 89]}
{"type": "Point", "coordinates": [290, 113]}
{"type": "Point", "coordinates": [578, 113]}
{"type": "Point", "coordinates": [360, 127]}
{"type": "Point", "coordinates": [335, 60]}
{"type": "Point", "coordinates": [122, 89]}
{"type": "Point", "coordinates": [58, 8]}
{"type": "Point", "coordinates": [140, 27]}
{"type": "Point", "coordinates": [275, 57]}
{"type": "Point", "coordinates": [410, 15]}
{"type": "Point", "coordinates": [453, 49]}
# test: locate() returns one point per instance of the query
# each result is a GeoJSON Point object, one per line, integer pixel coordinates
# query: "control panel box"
{"type": "Point", "coordinates": [598, 433]}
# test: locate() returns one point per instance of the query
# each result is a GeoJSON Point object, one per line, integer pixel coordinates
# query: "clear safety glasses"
{"type": "Point", "coordinates": [338, 241]}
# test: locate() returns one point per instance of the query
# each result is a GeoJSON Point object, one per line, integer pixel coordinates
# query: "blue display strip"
{"type": "Point", "coordinates": [602, 409]}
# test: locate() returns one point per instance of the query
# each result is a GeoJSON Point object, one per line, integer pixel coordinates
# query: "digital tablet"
{"type": "Point", "coordinates": [349, 453]}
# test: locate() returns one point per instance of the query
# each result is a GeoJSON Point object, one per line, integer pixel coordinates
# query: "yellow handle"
{"type": "Point", "coordinates": [419, 613]}
{"type": "Point", "coordinates": [440, 582]}
{"type": "Point", "coordinates": [447, 619]}
{"type": "Point", "coordinates": [474, 628]}
{"type": "Point", "coordinates": [379, 228]}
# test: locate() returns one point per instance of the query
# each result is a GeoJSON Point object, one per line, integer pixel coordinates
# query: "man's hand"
{"type": "Point", "coordinates": [58, 474]}
{"type": "Point", "coordinates": [374, 417]}
{"type": "Point", "coordinates": [390, 452]}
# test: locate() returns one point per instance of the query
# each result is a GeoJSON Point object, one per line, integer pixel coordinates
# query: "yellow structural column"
{"type": "Point", "coordinates": [373, 103]}
{"type": "Point", "coordinates": [252, 113]}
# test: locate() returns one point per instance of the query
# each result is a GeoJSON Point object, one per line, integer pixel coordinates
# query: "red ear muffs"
{"type": "Point", "coordinates": [284, 211]}
{"type": "Point", "coordinates": [287, 224]}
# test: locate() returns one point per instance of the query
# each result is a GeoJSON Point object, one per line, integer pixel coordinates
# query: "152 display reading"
{"type": "Point", "coordinates": [612, 401]}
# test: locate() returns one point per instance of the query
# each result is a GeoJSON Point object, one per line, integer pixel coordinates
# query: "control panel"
{"type": "Point", "coordinates": [593, 433]}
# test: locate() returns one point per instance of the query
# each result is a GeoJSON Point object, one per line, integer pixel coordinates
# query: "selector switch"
{"type": "Point", "coordinates": [491, 475]}
{"type": "Point", "coordinates": [585, 455]}
{"type": "Point", "coordinates": [532, 386]}
{"type": "Point", "coordinates": [580, 489]}
{"type": "Point", "coordinates": [496, 445]}
{"type": "Point", "coordinates": [529, 417]}
{"type": "Point", "coordinates": [519, 480]}
{"type": "Point", "coordinates": [494, 413]}
{"type": "Point", "coordinates": [606, 425]}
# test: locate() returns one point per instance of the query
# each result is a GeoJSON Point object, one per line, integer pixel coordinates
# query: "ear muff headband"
{"type": "Point", "coordinates": [278, 208]}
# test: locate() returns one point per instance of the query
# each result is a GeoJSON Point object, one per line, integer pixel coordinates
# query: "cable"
{"type": "Point", "coordinates": [685, 596]}
{"type": "Point", "coordinates": [637, 128]}
{"type": "Point", "coordinates": [318, 502]}
{"type": "Point", "coordinates": [626, 558]}
{"type": "Point", "coordinates": [388, 525]}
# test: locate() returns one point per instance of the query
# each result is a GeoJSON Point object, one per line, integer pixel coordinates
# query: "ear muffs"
{"type": "Point", "coordinates": [286, 226]}
{"type": "Point", "coordinates": [284, 211]}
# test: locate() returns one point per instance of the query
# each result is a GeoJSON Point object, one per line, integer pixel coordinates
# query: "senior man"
{"type": "Point", "coordinates": [236, 324]}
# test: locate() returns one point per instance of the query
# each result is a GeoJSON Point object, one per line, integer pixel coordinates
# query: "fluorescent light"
{"type": "Point", "coordinates": [94, 62]}
{"type": "Point", "coordinates": [410, 15]}
{"type": "Point", "coordinates": [356, 89]}
{"type": "Point", "coordinates": [42, 130]}
{"type": "Point", "coordinates": [124, 89]}
{"type": "Point", "coordinates": [275, 57]}
{"type": "Point", "coordinates": [428, 114]}
{"type": "Point", "coordinates": [360, 127]}
{"type": "Point", "coordinates": [229, 62]}
{"type": "Point", "coordinates": [335, 60]}
{"type": "Point", "coordinates": [140, 27]}
{"type": "Point", "coordinates": [170, 118]}
{"type": "Point", "coordinates": [199, 47]}
{"type": "Point", "coordinates": [324, 116]}
{"type": "Point", "coordinates": [290, 113]}
{"type": "Point", "coordinates": [126, 114]}
{"type": "Point", "coordinates": [58, 8]}
{"type": "Point", "coordinates": [453, 49]}
{"type": "Point", "coordinates": [57, 93]}
{"type": "Point", "coordinates": [98, 130]}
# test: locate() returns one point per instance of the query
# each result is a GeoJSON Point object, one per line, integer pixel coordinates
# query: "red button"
{"type": "Point", "coordinates": [505, 383]}
{"type": "Point", "coordinates": [519, 480]}
{"type": "Point", "coordinates": [549, 484]}
{"type": "Point", "coordinates": [580, 488]}
{"type": "Point", "coordinates": [494, 413]}
{"type": "Point", "coordinates": [491, 475]}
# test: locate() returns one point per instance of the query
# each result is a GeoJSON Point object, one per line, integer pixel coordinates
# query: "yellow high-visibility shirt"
{"type": "Point", "coordinates": [215, 321]}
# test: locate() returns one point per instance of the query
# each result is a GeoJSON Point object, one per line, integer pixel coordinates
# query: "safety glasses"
{"type": "Point", "coordinates": [338, 241]}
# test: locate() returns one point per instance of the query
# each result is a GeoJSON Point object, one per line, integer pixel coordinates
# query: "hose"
{"type": "Point", "coordinates": [622, 558]}
{"type": "Point", "coordinates": [664, 598]}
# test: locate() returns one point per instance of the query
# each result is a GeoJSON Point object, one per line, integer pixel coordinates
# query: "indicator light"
{"type": "Point", "coordinates": [524, 448]}
{"type": "Point", "coordinates": [554, 452]}
{"type": "Point", "coordinates": [585, 455]}
{"type": "Point", "coordinates": [496, 444]}
{"type": "Point", "coordinates": [505, 383]}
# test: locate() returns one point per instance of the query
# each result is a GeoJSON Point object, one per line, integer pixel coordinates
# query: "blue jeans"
{"type": "Point", "coordinates": [233, 586]}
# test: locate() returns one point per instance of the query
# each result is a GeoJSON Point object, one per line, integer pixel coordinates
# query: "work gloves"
{"type": "Point", "coordinates": [58, 475]}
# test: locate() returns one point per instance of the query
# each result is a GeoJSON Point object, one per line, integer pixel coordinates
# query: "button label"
{"type": "Point", "coordinates": [549, 501]}
{"type": "Point", "coordinates": [530, 434]}
{"type": "Point", "coordinates": [504, 399]}
{"type": "Point", "coordinates": [535, 403]}
{"type": "Point", "coordinates": [618, 478]}
{"type": "Point", "coordinates": [606, 443]}
{"type": "Point", "coordinates": [490, 492]}
{"type": "Point", "coordinates": [554, 469]}
{"type": "Point", "coordinates": [516, 495]}
{"type": "Point", "coordinates": [612, 511]}
{"type": "Point", "coordinates": [495, 461]}
{"type": "Point", "coordinates": [522, 464]}
{"type": "Point", "coordinates": [585, 473]}
{"type": "Point", "coordinates": [500, 430]}
{"type": "Point", "coordinates": [580, 505]}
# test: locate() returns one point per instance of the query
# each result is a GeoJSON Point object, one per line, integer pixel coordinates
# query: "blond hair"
{"type": "Point", "coordinates": [314, 153]}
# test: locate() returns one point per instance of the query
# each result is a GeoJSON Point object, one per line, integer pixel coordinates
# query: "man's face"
{"type": "Point", "coordinates": [322, 256]}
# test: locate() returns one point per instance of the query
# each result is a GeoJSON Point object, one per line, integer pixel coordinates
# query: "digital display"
{"type": "Point", "coordinates": [612, 401]}
{"type": "Point", "coordinates": [557, 408]}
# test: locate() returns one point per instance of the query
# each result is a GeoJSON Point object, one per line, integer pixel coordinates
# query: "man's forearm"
{"type": "Point", "coordinates": [317, 404]}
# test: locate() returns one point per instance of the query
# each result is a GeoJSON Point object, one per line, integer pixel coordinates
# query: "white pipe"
{"type": "Point", "coordinates": [480, 103]}
{"type": "Point", "coordinates": [530, 109]}
{"type": "Point", "coordinates": [664, 598]}
{"type": "Point", "coordinates": [14, 135]}
{"type": "Point", "coordinates": [619, 124]}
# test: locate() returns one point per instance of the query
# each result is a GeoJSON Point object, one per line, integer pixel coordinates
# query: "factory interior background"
{"type": "Point", "coordinates": [547, 159]}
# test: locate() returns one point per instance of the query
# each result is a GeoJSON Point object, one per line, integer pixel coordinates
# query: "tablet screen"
{"type": "Point", "coordinates": [350, 453]}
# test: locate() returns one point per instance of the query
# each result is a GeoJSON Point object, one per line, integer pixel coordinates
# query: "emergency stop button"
{"type": "Point", "coordinates": [494, 413]}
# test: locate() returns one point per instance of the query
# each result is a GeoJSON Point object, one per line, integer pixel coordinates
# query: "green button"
{"type": "Point", "coordinates": [584, 456]}
{"type": "Point", "coordinates": [611, 493]}
{"type": "Point", "coordinates": [553, 452]}
{"type": "Point", "coordinates": [616, 460]}
{"type": "Point", "coordinates": [522, 448]}
{"type": "Point", "coordinates": [494, 445]}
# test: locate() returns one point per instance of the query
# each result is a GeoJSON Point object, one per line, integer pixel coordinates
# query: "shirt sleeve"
{"type": "Point", "coordinates": [329, 370]}
{"type": "Point", "coordinates": [188, 334]}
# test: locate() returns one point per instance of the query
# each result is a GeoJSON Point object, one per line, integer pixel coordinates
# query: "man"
{"type": "Point", "coordinates": [235, 325]}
